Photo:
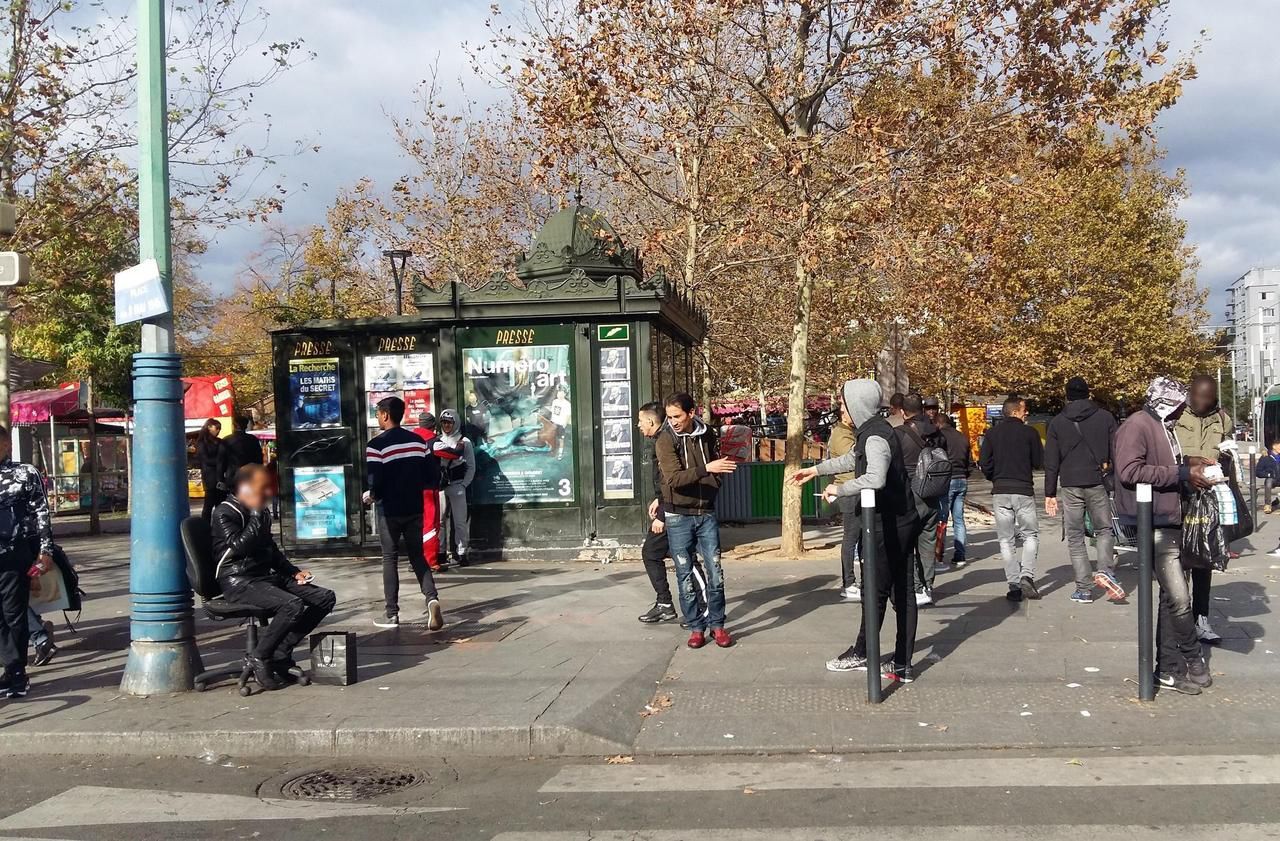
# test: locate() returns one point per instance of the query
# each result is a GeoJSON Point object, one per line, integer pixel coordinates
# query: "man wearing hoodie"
{"type": "Point", "coordinates": [1009, 455]}
{"type": "Point", "coordinates": [1077, 456]}
{"type": "Point", "coordinates": [687, 458]}
{"type": "Point", "coordinates": [916, 434]}
{"type": "Point", "coordinates": [455, 477]}
{"type": "Point", "coordinates": [1147, 453]}
{"type": "Point", "coordinates": [877, 461]}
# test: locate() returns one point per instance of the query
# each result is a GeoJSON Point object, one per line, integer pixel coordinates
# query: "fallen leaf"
{"type": "Point", "coordinates": [941, 728]}
{"type": "Point", "coordinates": [621, 760]}
{"type": "Point", "coordinates": [1074, 762]}
{"type": "Point", "coordinates": [748, 791]}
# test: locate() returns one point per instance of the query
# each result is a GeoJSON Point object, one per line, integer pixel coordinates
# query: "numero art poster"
{"type": "Point", "coordinates": [520, 419]}
{"type": "Point", "coordinates": [313, 393]}
{"type": "Point", "coordinates": [320, 502]}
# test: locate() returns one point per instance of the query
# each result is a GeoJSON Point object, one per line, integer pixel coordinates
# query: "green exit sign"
{"type": "Point", "coordinates": [613, 332]}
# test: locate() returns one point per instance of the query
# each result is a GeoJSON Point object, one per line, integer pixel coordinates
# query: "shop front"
{"type": "Point", "coordinates": [546, 372]}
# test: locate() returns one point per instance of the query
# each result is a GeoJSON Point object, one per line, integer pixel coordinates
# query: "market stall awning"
{"type": "Point", "coordinates": [209, 396]}
{"type": "Point", "coordinates": [38, 406]}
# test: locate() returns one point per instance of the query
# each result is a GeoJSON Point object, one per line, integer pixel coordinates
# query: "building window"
{"type": "Point", "coordinates": [1269, 312]}
{"type": "Point", "coordinates": [1264, 296]}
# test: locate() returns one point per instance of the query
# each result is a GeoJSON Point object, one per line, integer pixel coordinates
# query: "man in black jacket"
{"type": "Point", "coordinates": [916, 434]}
{"type": "Point", "coordinates": [1077, 456]}
{"type": "Point", "coordinates": [951, 507]}
{"type": "Point", "coordinates": [240, 448]}
{"type": "Point", "coordinates": [252, 570]}
{"type": "Point", "coordinates": [1010, 453]}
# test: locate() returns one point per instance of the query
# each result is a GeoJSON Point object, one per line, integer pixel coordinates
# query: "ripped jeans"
{"type": "Point", "coordinates": [688, 533]}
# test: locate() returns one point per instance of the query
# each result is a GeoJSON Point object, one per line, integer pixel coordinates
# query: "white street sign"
{"type": "Point", "coordinates": [140, 293]}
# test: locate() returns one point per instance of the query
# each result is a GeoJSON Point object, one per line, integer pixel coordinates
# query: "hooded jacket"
{"type": "Point", "coordinates": [1146, 451]}
{"type": "Point", "coordinates": [877, 456]}
{"type": "Point", "coordinates": [461, 470]}
{"type": "Point", "coordinates": [1074, 459]}
{"type": "Point", "coordinates": [1010, 453]}
{"type": "Point", "coordinates": [243, 546]}
{"type": "Point", "coordinates": [687, 487]}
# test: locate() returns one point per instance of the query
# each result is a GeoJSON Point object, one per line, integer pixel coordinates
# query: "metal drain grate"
{"type": "Point", "coordinates": [351, 784]}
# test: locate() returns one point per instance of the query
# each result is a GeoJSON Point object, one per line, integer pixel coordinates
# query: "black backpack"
{"type": "Point", "coordinates": [932, 477]}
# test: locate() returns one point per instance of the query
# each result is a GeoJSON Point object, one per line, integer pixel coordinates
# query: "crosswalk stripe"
{"type": "Point", "coordinates": [934, 773]}
{"type": "Point", "coordinates": [1206, 832]}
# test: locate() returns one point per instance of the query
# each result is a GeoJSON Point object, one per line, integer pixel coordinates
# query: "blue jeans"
{"type": "Point", "coordinates": [35, 626]}
{"type": "Point", "coordinates": [700, 533]}
{"type": "Point", "coordinates": [951, 507]}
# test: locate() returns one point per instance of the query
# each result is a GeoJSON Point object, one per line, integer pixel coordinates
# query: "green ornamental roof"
{"type": "Point", "coordinates": [577, 237]}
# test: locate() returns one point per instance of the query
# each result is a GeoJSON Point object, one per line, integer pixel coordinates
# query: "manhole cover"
{"type": "Point", "coordinates": [348, 784]}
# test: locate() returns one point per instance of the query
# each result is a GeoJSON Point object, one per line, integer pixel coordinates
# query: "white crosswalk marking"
{"type": "Point", "coordinates": [1215, 832]}
{"type": "Point", "coordinates": [935, 773]}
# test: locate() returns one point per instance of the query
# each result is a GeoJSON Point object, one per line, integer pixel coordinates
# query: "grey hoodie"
{"type": "Point", "coordinates": [862, 400]}
{"type": "Point", "coordinates": [463, 470]}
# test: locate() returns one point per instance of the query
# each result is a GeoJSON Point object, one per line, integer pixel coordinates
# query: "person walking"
{"type": "Point", "coordinates": [240, 448]}
{"type": "Point", "coordinates": [455, 478]}
{"type": "Point", "coordinates": [1078, 457]}
{"type": "Point", "coordinates": [398, 470]}
{"type": "Point", "coordinates": [657, 548]}
{"type": "Point", "coordinates": [1010, 453]}
{"type": "Point", "coordinates": [687, 454]}
{"type": "Point", "coordinates": [210, 456]}
{"type": "Point", "coordinates": [1146, 452]}
{"type": "Point", "coordinates": [22, 499]}
{"type": "Point", "coordinates": [426, 430]}
{"type": "Point", "coordinates": [1268, 470]}
{"type": "Point", "coordinates": [916, 434]}
{"type": "Point", "coordinates": [878, 464]}
{"type": "Point", "coordinates": [951, 506]}
{"type": "Point", "coordinates": [1200, 428]}
{"type": "Point", "coordinates": [842, 440]}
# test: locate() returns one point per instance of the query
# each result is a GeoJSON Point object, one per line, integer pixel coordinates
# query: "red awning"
{"type": "Point", "coordinates": [38, 406]}
{"type": "Point", "coordinates": [208, 396]}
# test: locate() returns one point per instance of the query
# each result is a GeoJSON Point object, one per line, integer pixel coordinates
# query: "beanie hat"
{"type": "Point", "coordinates": [1077, 389]}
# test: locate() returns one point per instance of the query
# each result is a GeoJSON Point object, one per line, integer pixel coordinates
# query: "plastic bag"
{"type": "Point", "coordinates": [1204, 545]}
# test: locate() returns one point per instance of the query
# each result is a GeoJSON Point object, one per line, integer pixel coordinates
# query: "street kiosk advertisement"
{"type": "Point", "coordinates": [520, 419]}
{"type": "Point", "coordinates": [616, 426]}
{"type": "Point", "coordinates": [320, 502]}
{"type": "Point", "coordinates": [313, 393]}
{"type": "Point", "coordinates": [409, 376]}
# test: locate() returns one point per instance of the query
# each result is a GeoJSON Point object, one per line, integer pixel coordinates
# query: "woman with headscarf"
{"type": "Point", "coordinates": [1147, 452]}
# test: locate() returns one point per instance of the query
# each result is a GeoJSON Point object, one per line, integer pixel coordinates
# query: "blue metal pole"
{"type": "Point", "coordinates": [162, 652]}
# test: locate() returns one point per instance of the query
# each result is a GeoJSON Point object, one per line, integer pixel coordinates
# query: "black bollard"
{"type": "Point", "coordinates": [870, 596]}
{"type": "Point", "coordinates": [1253, 483]}
{"type": "Point", "coordinates": [1146, 631]}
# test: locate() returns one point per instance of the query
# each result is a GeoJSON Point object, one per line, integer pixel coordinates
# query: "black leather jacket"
{"type": "Point", "coordinates": [243, 545]}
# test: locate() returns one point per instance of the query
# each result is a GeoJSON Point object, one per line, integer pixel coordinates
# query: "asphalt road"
{"type": "Point", "coordinates": [948, 796]}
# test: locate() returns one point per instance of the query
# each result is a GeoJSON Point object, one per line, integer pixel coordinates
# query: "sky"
{"type": "Point", "coordinates": [371, 56]}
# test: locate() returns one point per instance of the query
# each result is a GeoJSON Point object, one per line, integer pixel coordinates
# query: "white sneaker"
{"type": "Point", "coordinates": [851, 594]}
{"type": "Point", "coordinates": [923, 598]}
{"type": "Point", "coordinates": [1274, 553]}
{"type": "Point", "coordinates": [435, 616]}
{"type": "Point", "coordinates": [1205, 632]}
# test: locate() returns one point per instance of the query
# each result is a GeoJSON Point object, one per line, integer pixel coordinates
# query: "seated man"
{"type": "Point", "coordinates": [252, 570]}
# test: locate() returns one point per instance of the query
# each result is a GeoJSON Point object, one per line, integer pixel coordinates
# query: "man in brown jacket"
{"type": "Point", "coordinates": [1146, 453]}
{"type": "Point", "coordinates": [841, 441]}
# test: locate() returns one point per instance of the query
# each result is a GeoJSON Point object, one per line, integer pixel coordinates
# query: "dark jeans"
{"type": "Point", "coordinates": [851, 523]}
{"type": "Point", "coordinates": [392, 531]}
{"type": "Point", "coordinates": [15, 598]}
{"type": "Point", "coordinates": [692, 535]}
{"type": "Point", "coordinates": [926, 543]}
{"type": "Point", "coordinates": [1176, 640]}
{"type": "Point", "coordinates": [297, 609]}
{"type": "Point", "coordinates": [654, 553]}
{"type": "Point", "coordinates": [212, 499]}
{"type": "Point", "coordinates": [894, 564]}
{"type": "Point", "coordinates": [1201, 581]}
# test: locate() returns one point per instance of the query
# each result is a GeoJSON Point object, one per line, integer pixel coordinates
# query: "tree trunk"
{"type": "Point", "coordinates": [792, 528]}
{"type": "Point", "coordinates": [704, 391]}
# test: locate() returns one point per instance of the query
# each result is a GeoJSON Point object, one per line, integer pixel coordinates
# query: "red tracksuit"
{"type": "Point", "coordinates": [431, 507]}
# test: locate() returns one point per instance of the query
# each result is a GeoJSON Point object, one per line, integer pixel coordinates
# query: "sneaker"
{"type": "Point", "coordinates": [852, 593]}
{"type": "Point", "coordinates": [435, 616]}
{"type": "Point", "coordinates": [1177, 683]}
{"type": "Point", "coordinates": [1274, 553]}
{"type": "Point", "coordinates": [44, 652]}
{"type": "Point", "coordinates": [285, 668]}
{"type": "Point", "coordinates": [389, 621]}
{"type": "Point", "coordinates": [942, 566]}
{"type": "Point", "coordinates": [658, 613]}
{"type": "Point", "coordinates": [461, 562]}
{"type": "Point", "coordinates": [849, 661]}
{"type": "Point", "coordinates": [1014, 594]}
{"type": "Point", "coordinates": [1080, 595]}
{"type": "Point", "coordinates": [1198, 673]}
{"type": "Point", "coordinates": [1205, 631]}
{"type": "Point", "coordinates": [722, 637]}
{"type": "Point", "coordinates": [923, 597]}
{"type": "Point", "coordinates": [697, 639]}
{"type": "Point", "coordinates": [899, 674]}
{"type": "Point", "coordinates": [1110, 586]}
{"type": "Point", "coordinates": [264, 674]}
{"type": "Point", "coordinates": [16, 686]}
{"type": "Point", "coordinates": [1028, 587]}
{"type": "Point", "coordinates": [1266, 509]}
{"type": "Point", "coordinates": [959, 563]}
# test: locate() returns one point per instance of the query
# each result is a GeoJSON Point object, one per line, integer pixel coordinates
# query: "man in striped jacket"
{"type": "Point", "coordinates": [400, 467]}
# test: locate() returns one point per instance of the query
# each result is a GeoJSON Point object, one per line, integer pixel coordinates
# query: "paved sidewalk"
{"type": "Point", "coordinates": [547, 659]}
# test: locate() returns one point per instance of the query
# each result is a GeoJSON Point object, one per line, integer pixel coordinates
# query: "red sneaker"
{"type": "Point", "coordinates": [722, 638]}
{"type": "Point", "coordinates": [697, 639]}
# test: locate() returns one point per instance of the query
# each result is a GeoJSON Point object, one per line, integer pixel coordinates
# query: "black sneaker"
{"type": "Point", "coordinates": [1014, 594]}
{"type": "Point", "coordinates": [1028, 587]}
{"type": "Point", "coordinates": [901, 674]}
{"type": "Point", "coordinates": [849, 661]}
{"type": "Point", "coordinates": [264, 674]}
{"type": "Point", "coordinates": [1198, 673]}
{"type": "Point", "coordinates": [1177, 683]}
{"type": "Point", "coordinates": [44, 651]}
{"type": "Point", "coordinates": [16, 686]}
{"type": "Point", "coordinates": [658, 613]}
{"type": "Point", "coordinates": [286, 670]}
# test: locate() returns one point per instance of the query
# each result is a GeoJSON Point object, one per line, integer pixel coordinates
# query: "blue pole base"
{"type": "Point", "coordinates": [162, 653]}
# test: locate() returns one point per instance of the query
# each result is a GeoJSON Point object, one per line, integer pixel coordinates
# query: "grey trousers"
{"type": "Point", "coordinates": [453, 510]}
{"type": "Point", "coordinates": [1096, 502]}
{"type": "Point", "coordinates": [1016, 518]}
{"type": "Point", "coordinates": [1176, 640]}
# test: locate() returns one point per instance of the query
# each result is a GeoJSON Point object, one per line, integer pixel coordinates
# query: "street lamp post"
{"type": "Point", "coordinates": [398, 257]}
{"type": "Point", "coordinates": [162, 650]}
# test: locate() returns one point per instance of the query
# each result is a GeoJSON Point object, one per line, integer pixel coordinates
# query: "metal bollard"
{"type": "Point", "coordinates": [1146, 631]}
{"type": "Point", "coordinates": [870, 596]}
{"type": "Point", "coordinates": [1253, 483]}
